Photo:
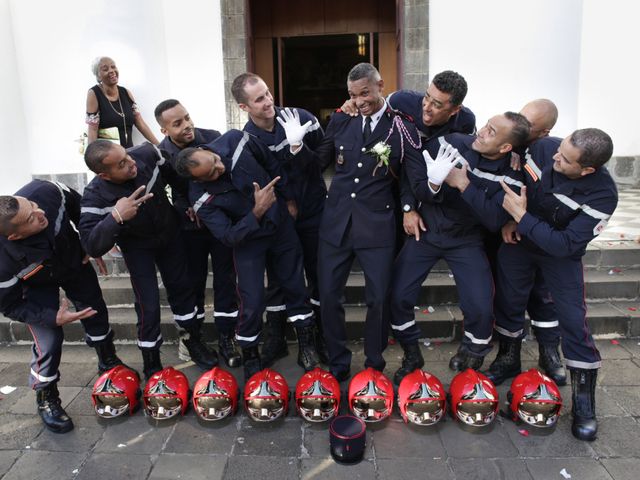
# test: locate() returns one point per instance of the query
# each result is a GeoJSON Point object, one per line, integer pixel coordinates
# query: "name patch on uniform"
{"type": "Point", "coordinates": [597, 230]}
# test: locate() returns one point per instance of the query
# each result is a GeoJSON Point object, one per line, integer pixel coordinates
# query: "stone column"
{"type": "Point", "coordinates": [234, 41]}
{"type": "Point", "coordinates": [415, 45]}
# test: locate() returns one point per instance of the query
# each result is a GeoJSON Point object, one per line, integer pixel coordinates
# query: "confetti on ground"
{"type": "Point", "coordinates": [122, 445]}
{"type": "Point", "coordinates": [437, 344]}
{"type": "Point", "coordinates": [416, 308]}
{"type": "Point", "coordinates": [75, 471]}
{"type": "Point", "coordinates": [564, 473]}
{"type": "Point", "coordinates": [426, 343]}
{"type": "Point", "coordinates": [523, 432]}
{"type": "Point", "coordinates": [615, 342]}
{"type": "Point", "coordinates": [633, 309]}
{"type": "Point", "coordinates": [7, 389]}
{"type": "Point", "coordinates": [425, 311]}
{"type": "Point", "coordinates": [431, 309]}
{"type": "Point", "coordinates": [392, 341]}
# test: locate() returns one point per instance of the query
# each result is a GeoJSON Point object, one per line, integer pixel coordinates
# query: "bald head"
{"type": "Point", "coordinates": [542, 115]}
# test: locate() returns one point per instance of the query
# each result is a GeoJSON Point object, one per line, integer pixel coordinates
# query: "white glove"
{"type": "Point", "coordinates": [290, 121]}
{"type": "Point", "coordinates": [438, 169]}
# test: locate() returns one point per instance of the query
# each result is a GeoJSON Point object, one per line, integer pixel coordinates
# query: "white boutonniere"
{"type": "Point", "coordinates": [382, 151]}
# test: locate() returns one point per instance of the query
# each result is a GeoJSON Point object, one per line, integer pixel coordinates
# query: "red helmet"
{"type": "Point", "coordinates": [215, 395]}
{"type": "Point", "coordinates": [266, 396]}
{"type": "Point", "coordinates": [116, 392]}
{"type": "Point", "coordinates": [421, 398]}
{"type": "Point", "coordinates": [474, 398]}
{"type": "Point", "coordinates": [166, 394]}
{"type": "Point", "coordinates": [317, 395]}
{"type": "Point", "coordinates": [371, 395]}
{"type": "Point", "coordinates": [535, 399]}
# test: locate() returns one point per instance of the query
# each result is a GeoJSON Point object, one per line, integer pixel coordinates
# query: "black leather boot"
{"type": "Point", "coordinates": [321, 347]}
{"type": "Point", "coordinates": [583, 393]}
{"type": "Point", "coordinates": [251, 361]}
{"type": "Point", "coordinates": [274, 341]}
{"type": "Point", "coordinates": [192, 348]}
{"type": "Point", "coordinates": [307, 353]}
{"type": "Point", "coordinates": [459, 360]}
{"type": "Point", "coordinates": [411, 360]}
{"type": "Point", "coordinates": [507, 362]}
{"type": "Point", "coordinates": [107, 358]}
{"type": "Point", "coordinates": [50, 409]}
{"type": "Point", "coordinates": [229, 349]}
{"type": "Point", "coordinates": [151, 361]}
{"type": "Point", "coordinates": [550, 363]}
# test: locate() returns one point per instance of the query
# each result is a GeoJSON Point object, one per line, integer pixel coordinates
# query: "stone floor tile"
{"type": "Point", "coordinates": [135, 435]}
{"type": "Point", "coordinates": [328, 469]}
{"type": "Point", "coordinates": [618, 437]}
{"type": "Point", "coordinates": [112, 465]}
{"type": "Point", "coordinates": [621, 468]}
{"type": "Point", "coordinates": [413, 468]}
{"type": "Point", "coordinates": [578, 468]}
{"type": "Point", "coordinates": [259, 467]}
{"type": "Point", "coordinates": [398, 440]}
{"type": "Point", "coordinates": [282, 438]}
{"type": "Point", "coordinates": [461, 441]}
{"type": "Point", "coordinates": [18, 431]}
{"type": "Point", "coordinates": [487, 468]}
{"type": "Point", "coordinates": [192, 435]}
{"type": "Point", "coordinates": [7, 459]}
{"type": "Point", "coordinates": [554, 442]}
{"type": "Point", "coordinates": [627, 397]}
{"type": "Point", "coordinates": [37, 465]}
{"type": "Point", "coordinates": [170, 466]}
{"type": "Point", "coordinates": [619, 372]}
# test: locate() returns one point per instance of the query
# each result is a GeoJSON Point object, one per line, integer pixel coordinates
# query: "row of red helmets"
{"type": "Point", "coordinates": [534, 398]}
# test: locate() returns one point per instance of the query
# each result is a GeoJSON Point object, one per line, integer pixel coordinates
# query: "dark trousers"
{"type": "Point", "coordinates": [307, 231]}
{"type": "Point", "coordinates": [201, 246]}
{"type": "Point", "coordinates": [542, 312]}
{"type": "Point", "coordinates": [564, 278]}
{"type": "Point", "coordinates": [171, 261]}
{"type": "Point", "coordinates": [334, 266]}
{"type": "Point", "coordinates": [474, 282]}
{"type": "Point", "coordinates": [283, 251]}
{"type": "Point", "coordinates": [82, 288]}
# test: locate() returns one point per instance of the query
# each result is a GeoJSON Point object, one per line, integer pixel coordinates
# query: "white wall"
{"type": "Point", "coordinates": [610, 72]}
{"type": "Point", "coordinates": [14, 157]}
{"type": "Point", "coordinates": [510, 52]}
{"type": "Point", "coordinates": [163, 49]}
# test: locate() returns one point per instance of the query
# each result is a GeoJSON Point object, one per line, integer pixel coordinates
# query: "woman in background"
{"type": "Point", "coordinates": [110, 105]}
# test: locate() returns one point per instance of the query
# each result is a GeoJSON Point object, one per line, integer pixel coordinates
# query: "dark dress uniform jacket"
{"type": "Point", "coordinates": [410, 103]}
{"type": "Point", "coordinates": [361, 192]}
{"type": "Point", "coordinates": [44, 259]}
{"type": "Point", "coordinates": [563, 215]}
{"type": "Point", "coordinates": [455, 219]}
{"type": "Point", "coordinates": [303, 171]}
{"type": "Point", "coordinates": [180, 189]}
{"type": "Point", "coordinates": [225, 205]}
{"type": "Point", "coordinates": [156, 221]}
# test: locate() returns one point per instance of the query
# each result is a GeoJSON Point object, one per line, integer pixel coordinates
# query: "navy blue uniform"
{"type": "Point", "coordinates": [458, 223]}
{"type": "Point", "coordinates": [32, 271]}
{"type": "Point", "coordinates": [151, 238]}
{"type": "Point", "coordinates": [410, 103]}
{"type": "Point", "coordinates": [359, 222]}
{"type": "Point", "coordinates": [563, 216]}
{"type": "Point", "coordinates": [225, 207]}
{"type": "Point", "coordinates": [309, 192]}
{"type": "Point", "coordinates": [200, 245]}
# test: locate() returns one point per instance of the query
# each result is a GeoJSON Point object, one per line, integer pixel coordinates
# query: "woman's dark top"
{"type": "Point", "coordinates": [109, 118]}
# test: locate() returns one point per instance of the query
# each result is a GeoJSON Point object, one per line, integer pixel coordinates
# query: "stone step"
{"type": "Point", "coordinates": [601, 255]}
{"type": "Point", "coordinates": [438, 288]}
{"type": "Point", "coordinates": [606, 319]}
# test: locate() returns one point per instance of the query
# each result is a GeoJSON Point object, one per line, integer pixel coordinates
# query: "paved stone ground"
{"type": "Point", "coordinates": [138, 448]}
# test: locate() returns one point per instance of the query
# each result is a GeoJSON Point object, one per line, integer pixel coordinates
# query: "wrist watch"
{"type": "Point", "coordinates": [406, 208]}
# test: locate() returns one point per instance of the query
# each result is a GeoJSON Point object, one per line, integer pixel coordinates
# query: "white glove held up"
{"type": "Point", "coordinates": [438, 169]}
{"type": "Point", "coordinates": [290, 121]}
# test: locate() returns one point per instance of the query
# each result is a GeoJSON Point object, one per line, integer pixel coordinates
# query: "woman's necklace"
{"type": "Point", "coordinates": [120, 113]}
